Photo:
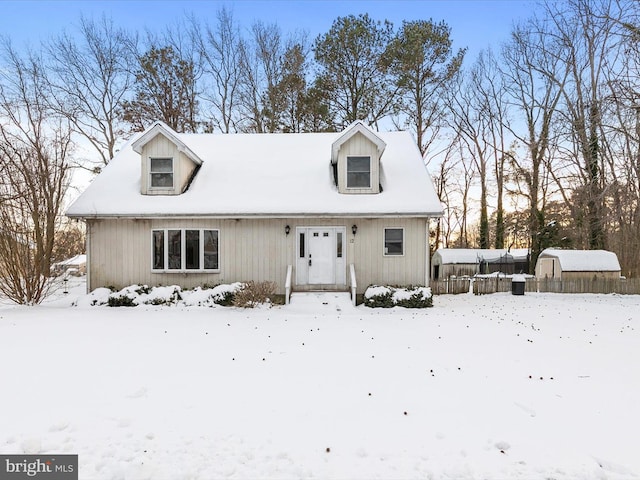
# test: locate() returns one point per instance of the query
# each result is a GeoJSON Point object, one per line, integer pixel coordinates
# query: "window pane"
{"type": "Point", "coordinates": [393, 241]}
{"type": "Point", "coordinates": [301, 245]}
{"type": "Point", "coordinates": [358, 172]}
{"type": "Point", "coordinates": [192, 249]}
{"type": "Point", "coordinates": [162, 180]}
{"type": "Point", "coordinates": [161, 165]}
{"type": "Point", "coordinates": [211, 250]}
{"type": "Point", "coordinates": [158, 249]}
{"type": "Point", "coordinates": [175, 249]}
{"type": "Point", "coordinates": [339, 244]}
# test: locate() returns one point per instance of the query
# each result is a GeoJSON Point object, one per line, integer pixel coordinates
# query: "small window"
{"type": "Point", "coordinates": [211, 246]}
{"type": "Point", "coordinates": [175, 249]}
{"type": "Point", "coordinates": [192, 249]}
{"type": "Point", "coordinates": [301, 240]}
{"type": "Point", "coordinates": [161, 171]}
{"type": "Point", "coordinates": [158, 249]}
{"type": "Point", "coordinates": [394, 241]}
{"type": "Point", "coordinates": [358, 172]}
{"type": "Point", "coordinates": [339, 244]}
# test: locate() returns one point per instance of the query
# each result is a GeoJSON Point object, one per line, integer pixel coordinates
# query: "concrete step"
{"type": "Point", "coordinates": [321, 301]}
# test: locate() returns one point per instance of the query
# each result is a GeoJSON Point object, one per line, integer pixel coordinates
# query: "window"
{"type": "Point", "coordinates": [185, 249]}
{"type": "Point", "coordinates": [161, 171]}
{"type": "Point", "coordinates": [211, 261]}
{"type": "Point", "coordinates": [394, 241]}
{"type": "Point", "coordinates": [358, 172]}
{"type": "Point", "coordinates": [301, 240]}
{"type": "Point", "coordinates": [339, 244]}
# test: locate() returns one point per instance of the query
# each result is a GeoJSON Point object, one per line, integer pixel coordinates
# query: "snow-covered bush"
{"type": "Point", "coordinates": [134, 295]}
{"type": "Point", "coordinates": [408, 297]}
{"type": "Point", "coordinates": [206, 295]}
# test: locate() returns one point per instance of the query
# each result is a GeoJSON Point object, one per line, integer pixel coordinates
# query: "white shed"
{"type": "Point", "coordinates": [577, 264]}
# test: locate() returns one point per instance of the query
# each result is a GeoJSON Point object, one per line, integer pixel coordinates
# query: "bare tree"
{"type": "Point", "coordinates": [34, 162]}
{"type": "Point", "coordinates": [535, 78]}
{"type": "Point", "coordinates": [219, 47]}
{"type": "Point", "coordinates": [89, 77]}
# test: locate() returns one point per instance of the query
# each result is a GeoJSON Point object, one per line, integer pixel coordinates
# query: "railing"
{"type": "Point", "coordinates": [287, 285]}
{"type": "Point", "coordinates": [352, 283]}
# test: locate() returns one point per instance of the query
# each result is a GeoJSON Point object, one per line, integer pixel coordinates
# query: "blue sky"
{"type": "Point", "coordinates": [474, 23]}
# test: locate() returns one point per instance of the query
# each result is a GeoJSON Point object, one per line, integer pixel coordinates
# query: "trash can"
{"type": "Point", "coordinates": [518, 283]}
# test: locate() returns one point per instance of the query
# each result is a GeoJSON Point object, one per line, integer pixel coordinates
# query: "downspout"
{"type": "Point", "coordinates": [427, 270]}
{"type": "Point", "coordinates": [88, 252]}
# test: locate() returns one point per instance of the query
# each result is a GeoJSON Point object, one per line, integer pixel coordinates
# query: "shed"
{"type": "Point", "coordinates": [75, 265]}
{"type": "Point", "coordinates": [577, 264]}
{"type": "Point", "coordinates": [448, 262]}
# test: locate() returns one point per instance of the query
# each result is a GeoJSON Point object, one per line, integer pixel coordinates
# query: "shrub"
{"type": "Point", "coordinates": [253, 294]}
{"type": "Point", "coordinates": [224, 299]}
{"type": "Point", "coordinates": [379, 297]}
{"type": "Point", "coordinates": [121, 301]}
{"type": "Point", "coordinates": [408, 297]}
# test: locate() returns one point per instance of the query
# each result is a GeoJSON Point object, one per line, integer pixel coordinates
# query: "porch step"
{"type": "Point", "coordinates": [322, 301]}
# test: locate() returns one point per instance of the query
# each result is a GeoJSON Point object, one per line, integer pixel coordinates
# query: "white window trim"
{"type": "Point", "coordinates": [173, 175]}
{"type": "Point", "coordinates": [183, 251]}
{"type": "Point", "coordinates": [346, 180]}
{"type": "Point", "coordinates": [384, 241]}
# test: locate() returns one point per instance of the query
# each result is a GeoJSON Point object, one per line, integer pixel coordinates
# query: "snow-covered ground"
{"type": "Point", "coordinates": [520, 387]}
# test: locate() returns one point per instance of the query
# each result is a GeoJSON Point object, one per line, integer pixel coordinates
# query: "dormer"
{"type": "Point", "coordinates": [167, 164]}
{"type": "Point", "coordinates": [355, 156]}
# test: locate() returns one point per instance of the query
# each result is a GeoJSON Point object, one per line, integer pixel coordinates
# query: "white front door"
{"type": "Point", "coordinates": [321, 256]}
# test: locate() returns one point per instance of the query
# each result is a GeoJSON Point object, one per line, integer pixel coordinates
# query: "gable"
{"type": "Point", "coordinates": [355, 156]}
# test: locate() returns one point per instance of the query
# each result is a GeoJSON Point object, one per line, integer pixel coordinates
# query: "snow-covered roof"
{"type": "Point", "coordinates": [267, 175]}
{"type": "Point", "coordinates": [77, 260]}
{"type": "Point", "coordinates": [474, 255]}
{"type": "Point", "coordinates": [584, 260]}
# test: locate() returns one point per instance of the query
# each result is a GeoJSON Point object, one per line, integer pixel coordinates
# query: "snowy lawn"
{"type": "Point", "coordinates": [499, 386]}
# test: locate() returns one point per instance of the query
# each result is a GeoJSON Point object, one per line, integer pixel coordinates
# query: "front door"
{"type": "Point", "coordinates": [321, 256]}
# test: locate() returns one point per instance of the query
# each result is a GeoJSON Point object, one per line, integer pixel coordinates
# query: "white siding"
{"type": "Point", "coordinates": [358, 145]}
{"type": "Point", "coordinates": [250, 249]}
{"type": "Point", "coordinates": [162, 147]}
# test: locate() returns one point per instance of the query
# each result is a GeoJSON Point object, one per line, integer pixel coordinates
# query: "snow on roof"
{"type": "Point", "coordinates": [77, 260]}
{"type": "Point", "coordinates": [584, 260]}
{"type": "Point", "coordinates": [266, 175]}
{"type": "Point", "coordinates": [474, 255]}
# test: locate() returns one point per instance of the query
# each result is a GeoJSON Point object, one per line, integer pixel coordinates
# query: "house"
{"type": "Point", "coordinates": [75, 265]}
{"type": "Point", "coordinates": [577, 264]}
{"type": "Point", "coordinates": [458, 262]}
{"type": "Point", "coordinates": [195, 209]}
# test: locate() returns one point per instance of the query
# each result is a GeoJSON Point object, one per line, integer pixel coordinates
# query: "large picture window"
{"type": "Point", "coordinates": [161, 171]}
{"type": "Point", "coordinates": [358, 172]}
{"type": "Point", "coordinates": [394, 241]}
{"type": "Point", "coordinates": [185, 249]}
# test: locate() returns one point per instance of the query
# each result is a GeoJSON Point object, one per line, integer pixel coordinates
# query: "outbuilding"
{"type": "Point", "coordinates": [577, 264]}
{"type": "Point", "coordinates": [458, 262]}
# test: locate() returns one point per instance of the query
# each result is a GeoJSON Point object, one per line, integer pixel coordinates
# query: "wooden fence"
{"type": "Point", "coordinates": [450, 285]}
{"type": "Point", "coordinates": [486, 285]}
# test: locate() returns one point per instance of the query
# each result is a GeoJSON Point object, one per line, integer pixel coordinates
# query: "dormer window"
{"type": "Point", "coordinates": [161, 172]}
{"type": "Point", "coordinates": [358, 172]}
